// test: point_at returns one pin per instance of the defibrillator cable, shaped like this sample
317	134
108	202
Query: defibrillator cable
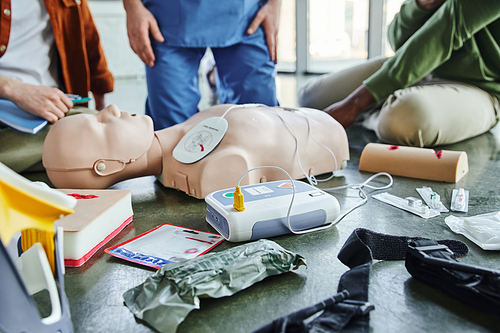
243	106
310	178
362	193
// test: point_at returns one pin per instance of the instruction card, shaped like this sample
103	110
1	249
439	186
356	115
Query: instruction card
166	244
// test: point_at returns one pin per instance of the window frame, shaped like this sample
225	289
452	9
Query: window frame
375	33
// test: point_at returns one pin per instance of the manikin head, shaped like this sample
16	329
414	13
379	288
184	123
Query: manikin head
110	146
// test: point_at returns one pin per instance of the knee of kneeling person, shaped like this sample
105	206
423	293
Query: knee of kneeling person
407	119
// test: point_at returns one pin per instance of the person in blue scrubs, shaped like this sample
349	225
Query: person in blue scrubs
171	37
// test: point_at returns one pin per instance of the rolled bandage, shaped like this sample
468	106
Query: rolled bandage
423	163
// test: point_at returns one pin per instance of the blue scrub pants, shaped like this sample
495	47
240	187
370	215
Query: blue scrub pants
245	75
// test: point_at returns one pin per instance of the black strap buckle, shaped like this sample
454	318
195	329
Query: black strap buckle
421	253
364	307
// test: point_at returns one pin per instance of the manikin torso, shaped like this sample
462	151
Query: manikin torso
255	137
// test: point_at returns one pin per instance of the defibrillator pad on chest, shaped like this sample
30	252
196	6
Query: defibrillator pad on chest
200	140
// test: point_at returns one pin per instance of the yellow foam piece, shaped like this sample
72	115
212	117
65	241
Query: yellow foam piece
46	240
25	205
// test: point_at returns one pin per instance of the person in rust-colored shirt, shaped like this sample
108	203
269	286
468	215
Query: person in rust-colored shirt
48	48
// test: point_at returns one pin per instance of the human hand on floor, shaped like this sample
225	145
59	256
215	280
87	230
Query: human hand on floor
46	102
140	22
347	111
269	17
430	4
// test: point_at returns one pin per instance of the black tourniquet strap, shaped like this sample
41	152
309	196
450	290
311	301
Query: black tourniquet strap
432	264
364	245
349	310
361	248
331	315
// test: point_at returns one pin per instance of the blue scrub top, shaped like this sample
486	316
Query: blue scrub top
204	23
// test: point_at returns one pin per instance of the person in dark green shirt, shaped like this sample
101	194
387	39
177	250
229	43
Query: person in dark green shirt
442	85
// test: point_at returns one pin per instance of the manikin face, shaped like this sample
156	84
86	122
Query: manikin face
80	141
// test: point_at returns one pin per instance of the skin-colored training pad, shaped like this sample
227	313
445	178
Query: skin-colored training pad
423	163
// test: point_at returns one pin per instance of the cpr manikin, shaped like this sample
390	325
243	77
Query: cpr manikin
97	151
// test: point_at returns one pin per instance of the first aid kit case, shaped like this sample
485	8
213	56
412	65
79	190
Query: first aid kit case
266	210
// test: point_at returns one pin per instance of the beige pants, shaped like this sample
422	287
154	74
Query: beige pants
22	152
430	113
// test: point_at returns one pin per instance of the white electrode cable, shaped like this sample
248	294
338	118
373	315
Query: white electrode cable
362	193
310	178
315	180
242	106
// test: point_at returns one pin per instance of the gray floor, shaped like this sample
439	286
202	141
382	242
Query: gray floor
402	304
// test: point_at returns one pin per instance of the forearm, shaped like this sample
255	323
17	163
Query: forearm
131	5
347	111
8	87
362	99
275	3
